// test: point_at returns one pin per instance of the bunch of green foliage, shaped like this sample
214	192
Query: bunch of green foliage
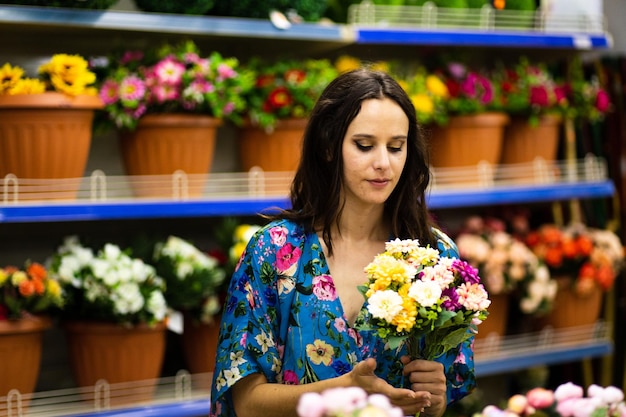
191	7
309	10
79	4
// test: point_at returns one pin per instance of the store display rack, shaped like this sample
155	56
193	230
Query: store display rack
187	395
102	197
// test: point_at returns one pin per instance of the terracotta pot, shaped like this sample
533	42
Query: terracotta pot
46	136
278	151
524	143
20	350
163	144
199	343
466	142
571	309
116	354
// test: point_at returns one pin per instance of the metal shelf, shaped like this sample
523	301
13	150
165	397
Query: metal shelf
24	19
101	197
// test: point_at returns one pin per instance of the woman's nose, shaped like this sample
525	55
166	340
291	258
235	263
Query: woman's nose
381	160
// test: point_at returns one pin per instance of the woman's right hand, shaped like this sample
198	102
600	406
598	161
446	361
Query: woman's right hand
409	401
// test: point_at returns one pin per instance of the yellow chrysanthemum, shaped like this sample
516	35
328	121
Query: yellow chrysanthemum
18	277
347	63
9	76
436	86
320	352
27	86
387	269
405	320
423	103
3	276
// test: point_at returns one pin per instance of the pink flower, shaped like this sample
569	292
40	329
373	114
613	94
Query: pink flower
603	101
169	70
311	404
290	378
324	288
132	88
340	325
278	235
225	71
287	256
108	92
539	96
540	397
567	391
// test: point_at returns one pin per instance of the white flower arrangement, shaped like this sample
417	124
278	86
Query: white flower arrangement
193	278
108	285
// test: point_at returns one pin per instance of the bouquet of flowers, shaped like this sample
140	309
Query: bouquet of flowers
568	400
414	293
346	402
193	278
506	264
108	285
63	73
27	291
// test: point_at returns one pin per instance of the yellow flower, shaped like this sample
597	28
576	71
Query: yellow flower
9	75
3	277
423	103
347	63
69	74
18	277
28	86
54	289
320	352
405	320
380	66
436	86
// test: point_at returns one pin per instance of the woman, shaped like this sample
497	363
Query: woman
288	324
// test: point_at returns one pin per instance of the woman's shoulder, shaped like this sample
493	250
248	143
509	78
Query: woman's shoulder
445	243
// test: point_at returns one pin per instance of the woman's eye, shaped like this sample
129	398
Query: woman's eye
363	147
395	149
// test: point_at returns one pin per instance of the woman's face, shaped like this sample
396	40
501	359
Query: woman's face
374	151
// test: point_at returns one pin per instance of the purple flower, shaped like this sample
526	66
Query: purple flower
466	272
450	299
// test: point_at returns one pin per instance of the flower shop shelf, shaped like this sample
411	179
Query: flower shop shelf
496	355
102	197
186	395
365	28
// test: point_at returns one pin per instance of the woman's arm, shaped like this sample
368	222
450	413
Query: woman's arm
254	396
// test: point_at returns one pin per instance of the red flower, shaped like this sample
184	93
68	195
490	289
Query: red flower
265	80
295	76
539	96
280	97
603	101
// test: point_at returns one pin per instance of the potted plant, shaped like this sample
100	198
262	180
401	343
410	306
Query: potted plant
536	101
473	127
115	313
584	261
36	114
277	110
167	105
510	272
193	279
27	297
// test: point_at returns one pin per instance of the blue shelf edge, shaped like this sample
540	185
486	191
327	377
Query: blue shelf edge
195	408
460	37
134	209
545	357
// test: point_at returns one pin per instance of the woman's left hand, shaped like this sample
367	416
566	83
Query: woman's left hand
428	376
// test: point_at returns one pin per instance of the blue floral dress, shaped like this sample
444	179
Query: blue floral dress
283	319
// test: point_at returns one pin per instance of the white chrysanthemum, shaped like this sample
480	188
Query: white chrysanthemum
69	269
520	254
111	251
94	290
425	293
127	298
157	305
385	305
424	256
398	246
